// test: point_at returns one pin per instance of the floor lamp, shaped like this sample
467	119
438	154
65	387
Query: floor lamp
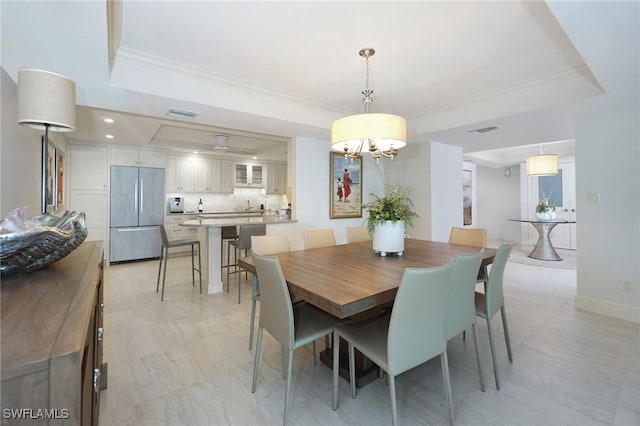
46	100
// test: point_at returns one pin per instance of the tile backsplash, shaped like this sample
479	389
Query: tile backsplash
238	201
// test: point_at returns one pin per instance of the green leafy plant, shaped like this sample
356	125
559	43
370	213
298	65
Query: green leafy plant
546	204
395	206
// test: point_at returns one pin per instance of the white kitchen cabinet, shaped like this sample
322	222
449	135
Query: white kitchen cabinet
276	178
88	177
94	206
87	167
122	156
175	231
203	176
227	175
249	175
185	176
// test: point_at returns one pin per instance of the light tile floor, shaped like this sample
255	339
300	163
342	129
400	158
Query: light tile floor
185	361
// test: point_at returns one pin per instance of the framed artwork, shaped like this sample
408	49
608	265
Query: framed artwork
59	178
51	176
467	197
346	187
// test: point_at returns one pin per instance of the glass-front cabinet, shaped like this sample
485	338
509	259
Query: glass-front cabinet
249	175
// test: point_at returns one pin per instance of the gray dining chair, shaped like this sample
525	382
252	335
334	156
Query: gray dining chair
264	245
412	335
460	313
489	303
164	256
242	243
277	315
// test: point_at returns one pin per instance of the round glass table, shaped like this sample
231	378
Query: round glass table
544	249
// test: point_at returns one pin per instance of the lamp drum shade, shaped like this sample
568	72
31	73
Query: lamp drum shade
542	165
384	129
45	97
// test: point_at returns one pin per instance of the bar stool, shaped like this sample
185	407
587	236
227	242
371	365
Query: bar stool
164	255
227	233
243	243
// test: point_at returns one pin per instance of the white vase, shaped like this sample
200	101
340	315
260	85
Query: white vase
548	215
388	237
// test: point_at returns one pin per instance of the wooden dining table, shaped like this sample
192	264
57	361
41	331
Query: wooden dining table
352	281
349	279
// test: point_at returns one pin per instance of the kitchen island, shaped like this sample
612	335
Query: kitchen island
209	234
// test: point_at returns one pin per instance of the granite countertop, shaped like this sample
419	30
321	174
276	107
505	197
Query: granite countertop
237	220
218	214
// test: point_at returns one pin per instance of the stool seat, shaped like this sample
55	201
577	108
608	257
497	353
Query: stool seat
164	256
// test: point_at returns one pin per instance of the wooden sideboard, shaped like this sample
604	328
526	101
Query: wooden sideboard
51	332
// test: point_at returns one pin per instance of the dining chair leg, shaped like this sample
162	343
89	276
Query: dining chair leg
444	360
475	344
287	393
253	320
352	371
392	397
283	357
315	358
256	360
493	353
336	368
164	273
505	326
193	266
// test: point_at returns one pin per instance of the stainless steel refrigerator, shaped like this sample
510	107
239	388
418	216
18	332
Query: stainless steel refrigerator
137	208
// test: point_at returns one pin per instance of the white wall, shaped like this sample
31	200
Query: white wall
608	233
311	192
20	156
498	200
446	190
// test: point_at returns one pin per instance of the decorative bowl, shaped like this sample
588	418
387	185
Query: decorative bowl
51	239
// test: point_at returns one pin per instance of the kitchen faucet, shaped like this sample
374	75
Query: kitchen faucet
248	205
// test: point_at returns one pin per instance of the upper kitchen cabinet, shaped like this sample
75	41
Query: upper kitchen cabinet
249	175
180	175
87	167
276	178
227	175
199	174
119	156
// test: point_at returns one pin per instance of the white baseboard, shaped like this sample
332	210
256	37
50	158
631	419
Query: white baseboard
623	312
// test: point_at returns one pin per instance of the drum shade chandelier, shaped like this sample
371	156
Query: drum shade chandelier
381	134
46	101
542	164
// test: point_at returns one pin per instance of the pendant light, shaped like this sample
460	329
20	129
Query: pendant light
542	164
380	134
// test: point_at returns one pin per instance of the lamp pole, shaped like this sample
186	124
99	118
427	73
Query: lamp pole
45	168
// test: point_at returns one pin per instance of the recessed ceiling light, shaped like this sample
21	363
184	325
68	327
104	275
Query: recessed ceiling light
108	120
196	152
108	136
255	158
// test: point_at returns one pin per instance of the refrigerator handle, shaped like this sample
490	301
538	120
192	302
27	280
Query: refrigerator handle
141	195
135	197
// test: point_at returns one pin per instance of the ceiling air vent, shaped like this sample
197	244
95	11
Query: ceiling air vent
222	143
484	130
182	114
